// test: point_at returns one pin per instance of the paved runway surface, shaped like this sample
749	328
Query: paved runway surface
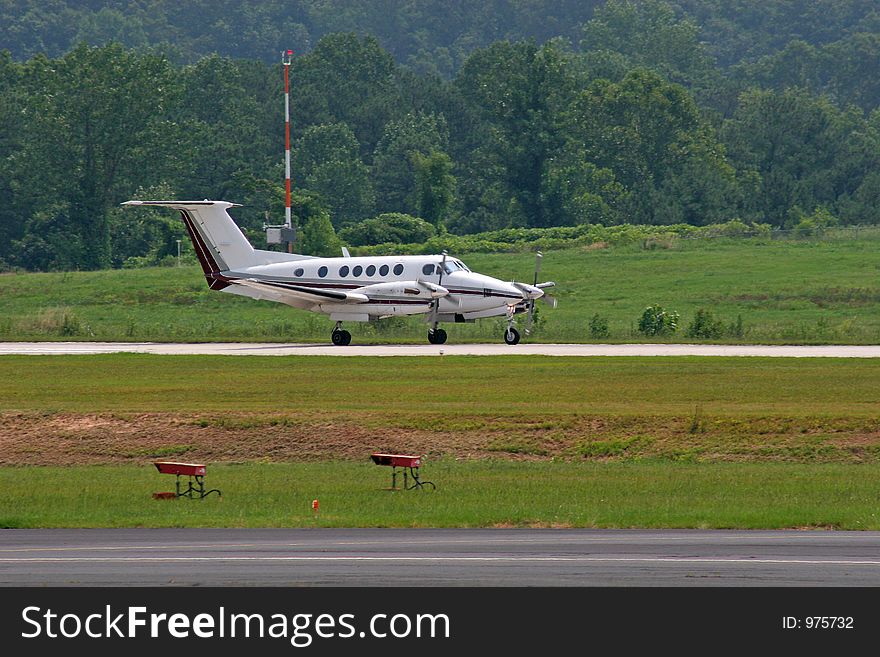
437	557
270	349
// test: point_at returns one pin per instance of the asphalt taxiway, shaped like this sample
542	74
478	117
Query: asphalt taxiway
437	557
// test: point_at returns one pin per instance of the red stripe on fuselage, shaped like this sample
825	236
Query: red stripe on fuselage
356	286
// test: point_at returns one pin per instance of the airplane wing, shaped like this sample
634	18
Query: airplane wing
299	296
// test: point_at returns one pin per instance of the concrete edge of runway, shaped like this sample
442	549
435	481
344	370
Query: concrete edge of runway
490	349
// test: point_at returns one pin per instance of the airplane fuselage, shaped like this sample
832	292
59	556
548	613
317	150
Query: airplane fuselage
391	283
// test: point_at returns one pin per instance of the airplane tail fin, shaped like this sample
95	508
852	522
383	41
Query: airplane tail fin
218	242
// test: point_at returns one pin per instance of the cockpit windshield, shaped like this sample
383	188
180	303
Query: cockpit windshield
454	265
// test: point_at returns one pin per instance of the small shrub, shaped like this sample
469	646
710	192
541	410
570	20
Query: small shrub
705	325
805	228
656	242
736	329
734	228
599	326
70	324
655	320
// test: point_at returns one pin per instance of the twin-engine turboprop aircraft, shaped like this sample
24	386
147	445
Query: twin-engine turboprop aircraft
351	289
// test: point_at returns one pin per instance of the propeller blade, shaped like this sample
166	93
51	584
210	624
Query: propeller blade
538	258
550	300
530	317
442	268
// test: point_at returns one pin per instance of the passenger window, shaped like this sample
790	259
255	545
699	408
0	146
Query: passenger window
428	269
383	270
298	272
371	269
398	269
357	271
322	272
343	271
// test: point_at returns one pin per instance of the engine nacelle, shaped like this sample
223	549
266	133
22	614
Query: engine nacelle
398	289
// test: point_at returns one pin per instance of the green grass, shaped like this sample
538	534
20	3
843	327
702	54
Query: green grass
469	494
812	291
449	393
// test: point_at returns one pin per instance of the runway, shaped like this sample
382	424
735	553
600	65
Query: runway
437	557
499	349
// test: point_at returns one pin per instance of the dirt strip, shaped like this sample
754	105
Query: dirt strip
75	439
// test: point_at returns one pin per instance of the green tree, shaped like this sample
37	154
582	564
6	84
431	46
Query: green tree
13	208
329	159
96	121
393	164
805	151
649	134
318	236
143	235
346	79
580	192
435	186
224	131
518	92
649	34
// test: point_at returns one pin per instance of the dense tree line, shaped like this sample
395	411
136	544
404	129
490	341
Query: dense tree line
426	35
629	118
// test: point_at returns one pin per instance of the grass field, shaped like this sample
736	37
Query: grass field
452	386
811	291
518	441
469	494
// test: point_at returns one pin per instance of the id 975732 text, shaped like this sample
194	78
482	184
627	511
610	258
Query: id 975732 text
818	622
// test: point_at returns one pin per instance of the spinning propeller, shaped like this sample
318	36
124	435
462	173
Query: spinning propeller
535	291
435	304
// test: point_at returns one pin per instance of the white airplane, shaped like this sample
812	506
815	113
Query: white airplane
351	289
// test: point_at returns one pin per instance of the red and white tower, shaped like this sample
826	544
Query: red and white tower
285	61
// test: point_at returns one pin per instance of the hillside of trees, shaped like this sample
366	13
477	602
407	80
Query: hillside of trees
415	118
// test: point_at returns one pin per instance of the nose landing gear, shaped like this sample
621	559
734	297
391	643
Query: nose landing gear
511	335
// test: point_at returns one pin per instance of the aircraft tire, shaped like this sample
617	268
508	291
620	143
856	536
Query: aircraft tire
511	336
341	338
436	336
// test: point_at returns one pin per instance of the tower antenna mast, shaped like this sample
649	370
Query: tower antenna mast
285	232
285	60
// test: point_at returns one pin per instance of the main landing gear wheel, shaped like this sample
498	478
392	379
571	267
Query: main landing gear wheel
341	338
436	336
511	335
